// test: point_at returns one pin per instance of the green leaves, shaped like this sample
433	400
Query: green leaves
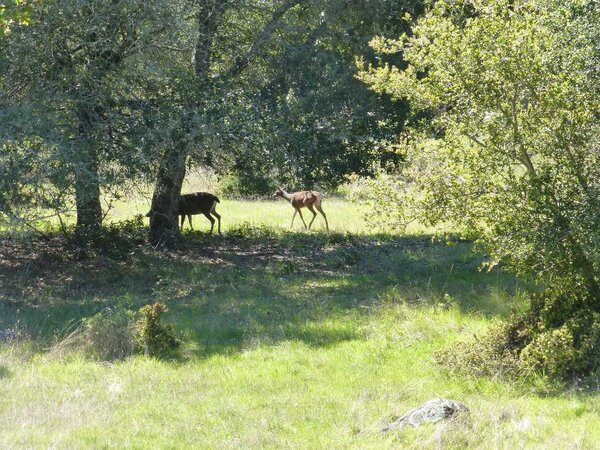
507	93
15	12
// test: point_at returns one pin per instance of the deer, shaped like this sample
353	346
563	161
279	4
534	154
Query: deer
197	203
304	199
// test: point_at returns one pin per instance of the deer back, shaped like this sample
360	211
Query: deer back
196	203
305	198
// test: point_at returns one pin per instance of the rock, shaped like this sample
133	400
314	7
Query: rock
431	411
8	335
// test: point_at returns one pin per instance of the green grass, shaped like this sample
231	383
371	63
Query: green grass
291	339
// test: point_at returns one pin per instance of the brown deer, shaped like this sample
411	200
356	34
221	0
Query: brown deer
197	203
304	199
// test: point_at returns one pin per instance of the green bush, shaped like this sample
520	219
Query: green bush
106	336
249	230
384	198
558	337
118	333
240	186
490	355
551	353
153	336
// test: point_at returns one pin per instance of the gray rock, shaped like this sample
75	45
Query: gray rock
431	411
8	335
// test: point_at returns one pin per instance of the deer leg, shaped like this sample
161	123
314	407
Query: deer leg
300	212
323	214
293	217
314	216
190	221
218	216
212	221
182	221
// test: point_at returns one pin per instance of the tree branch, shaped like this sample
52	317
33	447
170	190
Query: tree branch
242	62
28	225
517	137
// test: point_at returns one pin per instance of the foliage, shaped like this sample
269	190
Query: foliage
301	117
507	144
557	336
552	353
32	181
382	197
84	81
105	336
515	160
238	185
14	12
152	335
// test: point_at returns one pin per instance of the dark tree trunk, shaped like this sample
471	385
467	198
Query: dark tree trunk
164	228
87	182
87	194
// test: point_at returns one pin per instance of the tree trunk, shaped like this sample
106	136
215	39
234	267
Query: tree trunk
164	226
87	182
87	194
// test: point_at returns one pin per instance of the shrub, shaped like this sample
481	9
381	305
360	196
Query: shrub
249	230
118	333
105	336
551	353
487	356
557	337
152	335
115	240
239	185
383	197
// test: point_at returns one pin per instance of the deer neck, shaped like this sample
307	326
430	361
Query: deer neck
287	196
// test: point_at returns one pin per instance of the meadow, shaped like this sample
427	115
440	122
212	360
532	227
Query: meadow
291	339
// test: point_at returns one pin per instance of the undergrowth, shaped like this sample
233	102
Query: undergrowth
117	333
556	337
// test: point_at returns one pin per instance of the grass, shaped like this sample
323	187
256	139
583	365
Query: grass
291	339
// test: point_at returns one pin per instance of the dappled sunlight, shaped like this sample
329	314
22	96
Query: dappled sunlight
257	284
280	326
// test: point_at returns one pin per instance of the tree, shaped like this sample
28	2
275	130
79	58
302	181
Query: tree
308	120
509	147
82	77
210	78
116	90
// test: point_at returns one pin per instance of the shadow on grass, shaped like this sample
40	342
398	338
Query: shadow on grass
255	285
4	372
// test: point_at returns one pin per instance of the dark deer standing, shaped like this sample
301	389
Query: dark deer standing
304	199
197	203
